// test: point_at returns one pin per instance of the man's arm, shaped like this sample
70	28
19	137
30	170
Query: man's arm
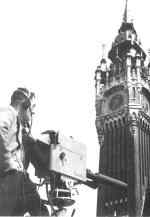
6	121
36	152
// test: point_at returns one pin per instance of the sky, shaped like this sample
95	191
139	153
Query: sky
53	48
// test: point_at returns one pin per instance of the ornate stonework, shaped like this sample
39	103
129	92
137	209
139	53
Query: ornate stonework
123	122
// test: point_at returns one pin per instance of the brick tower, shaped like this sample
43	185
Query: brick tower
123	124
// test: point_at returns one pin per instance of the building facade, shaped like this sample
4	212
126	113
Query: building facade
123	124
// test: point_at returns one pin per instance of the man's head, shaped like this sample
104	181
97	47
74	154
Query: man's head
22	100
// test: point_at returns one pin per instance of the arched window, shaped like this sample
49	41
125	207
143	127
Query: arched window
134	93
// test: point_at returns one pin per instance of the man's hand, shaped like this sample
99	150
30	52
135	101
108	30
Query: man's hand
60	213
53	136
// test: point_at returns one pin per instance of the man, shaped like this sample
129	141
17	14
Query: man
18	194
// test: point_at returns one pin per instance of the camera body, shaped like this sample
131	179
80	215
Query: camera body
61	161
66	156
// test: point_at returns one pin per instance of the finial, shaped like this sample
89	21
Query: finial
103	50
125	17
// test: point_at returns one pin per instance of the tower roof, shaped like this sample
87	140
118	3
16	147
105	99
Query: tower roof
126	38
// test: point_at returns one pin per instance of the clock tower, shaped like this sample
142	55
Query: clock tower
123	124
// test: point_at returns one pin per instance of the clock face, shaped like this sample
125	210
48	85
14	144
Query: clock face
111	102
116	102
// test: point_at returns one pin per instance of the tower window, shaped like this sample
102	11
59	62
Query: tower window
117	68
133	73
134	92
130	36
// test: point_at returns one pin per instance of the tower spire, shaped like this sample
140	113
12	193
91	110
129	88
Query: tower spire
125	15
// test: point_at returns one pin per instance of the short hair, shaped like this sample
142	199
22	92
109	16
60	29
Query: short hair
19	95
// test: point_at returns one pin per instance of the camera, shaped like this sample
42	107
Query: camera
61	162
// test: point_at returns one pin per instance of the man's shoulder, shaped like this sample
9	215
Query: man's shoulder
8	111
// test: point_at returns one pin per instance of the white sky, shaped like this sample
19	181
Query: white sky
54	47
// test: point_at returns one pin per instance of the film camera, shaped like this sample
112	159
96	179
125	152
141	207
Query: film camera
61	162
